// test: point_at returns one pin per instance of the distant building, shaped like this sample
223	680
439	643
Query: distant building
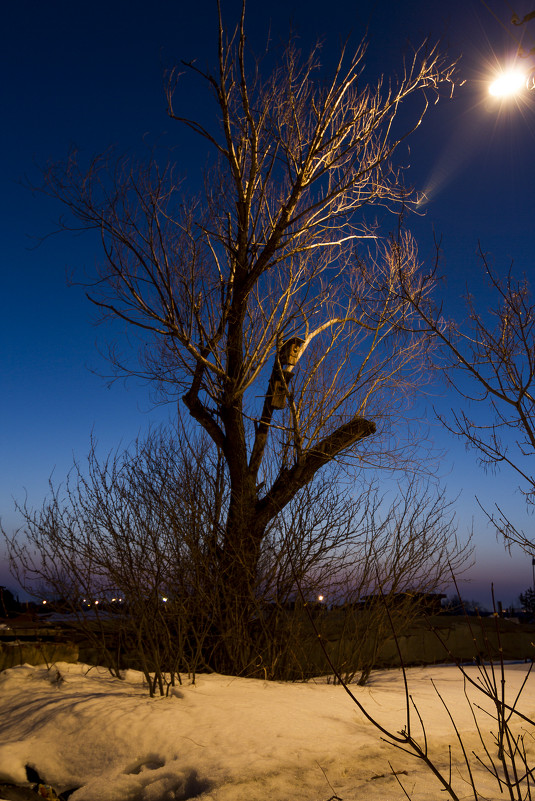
428	602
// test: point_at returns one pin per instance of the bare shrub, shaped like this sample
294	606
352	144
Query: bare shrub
132	542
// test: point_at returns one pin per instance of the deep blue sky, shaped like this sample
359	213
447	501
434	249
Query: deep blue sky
90	75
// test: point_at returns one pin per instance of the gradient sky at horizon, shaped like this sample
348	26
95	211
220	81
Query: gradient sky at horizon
89	75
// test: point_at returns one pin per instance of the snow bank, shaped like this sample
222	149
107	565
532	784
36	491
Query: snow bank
224	738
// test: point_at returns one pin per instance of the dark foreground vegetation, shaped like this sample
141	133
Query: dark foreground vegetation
297	643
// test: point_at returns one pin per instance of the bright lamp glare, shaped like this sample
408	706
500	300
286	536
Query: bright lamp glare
509	83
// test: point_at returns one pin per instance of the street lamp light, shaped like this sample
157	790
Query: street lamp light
512	82
509	83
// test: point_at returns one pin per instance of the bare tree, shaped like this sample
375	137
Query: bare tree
258	308
490	361
130	545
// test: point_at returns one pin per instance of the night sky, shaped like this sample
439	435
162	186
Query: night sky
90	75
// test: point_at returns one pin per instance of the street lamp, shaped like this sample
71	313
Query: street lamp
509	83
512	82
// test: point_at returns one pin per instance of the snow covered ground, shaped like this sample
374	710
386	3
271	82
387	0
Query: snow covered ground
232	739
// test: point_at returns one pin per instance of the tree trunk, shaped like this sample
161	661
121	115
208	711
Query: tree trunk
238	578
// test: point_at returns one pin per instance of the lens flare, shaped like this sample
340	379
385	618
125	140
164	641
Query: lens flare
508	83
